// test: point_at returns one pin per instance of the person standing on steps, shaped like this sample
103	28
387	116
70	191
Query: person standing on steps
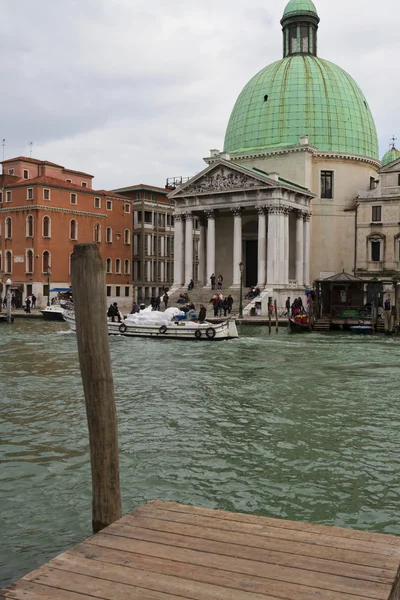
230	303
287	305
202	313
220	280
165	300
212	279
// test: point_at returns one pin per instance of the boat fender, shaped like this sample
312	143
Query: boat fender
122	328
197	334
210	333
162	329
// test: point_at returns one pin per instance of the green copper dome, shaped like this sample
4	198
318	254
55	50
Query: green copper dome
390	156
299	7
302	95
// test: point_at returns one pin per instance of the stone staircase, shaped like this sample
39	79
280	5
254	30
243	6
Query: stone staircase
321	324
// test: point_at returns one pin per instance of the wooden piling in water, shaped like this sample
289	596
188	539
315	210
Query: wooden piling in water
269	318
276	316
89	293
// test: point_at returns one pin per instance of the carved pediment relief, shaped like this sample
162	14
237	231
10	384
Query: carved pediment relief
221	180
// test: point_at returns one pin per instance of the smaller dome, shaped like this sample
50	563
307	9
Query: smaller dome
390	156
299	7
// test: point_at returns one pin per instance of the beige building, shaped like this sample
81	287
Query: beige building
280	198
378	226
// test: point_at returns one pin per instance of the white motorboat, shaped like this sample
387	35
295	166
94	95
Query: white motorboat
54	312
170	324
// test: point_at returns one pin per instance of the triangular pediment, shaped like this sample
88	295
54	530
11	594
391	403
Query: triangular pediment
221	177
393	167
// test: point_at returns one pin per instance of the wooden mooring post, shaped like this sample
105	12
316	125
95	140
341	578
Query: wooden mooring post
89	293
276	316
269	318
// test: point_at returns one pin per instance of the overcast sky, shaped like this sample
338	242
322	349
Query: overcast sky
135	91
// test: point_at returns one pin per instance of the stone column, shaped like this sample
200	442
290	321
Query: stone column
262	247
202	254
210	245
286	213
237	245
189	248
299	248
178	251
272	257
162	275
306	233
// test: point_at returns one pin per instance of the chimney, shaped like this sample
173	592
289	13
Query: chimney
303	140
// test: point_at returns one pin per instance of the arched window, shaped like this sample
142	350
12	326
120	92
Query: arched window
118	265
127	267
127	237
29	226
29	261
46	227
109	235
73	230
8	264
8	228
97	233
108	265
46	261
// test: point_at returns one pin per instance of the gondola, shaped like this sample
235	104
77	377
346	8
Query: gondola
299	324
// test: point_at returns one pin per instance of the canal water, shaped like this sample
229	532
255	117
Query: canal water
298	427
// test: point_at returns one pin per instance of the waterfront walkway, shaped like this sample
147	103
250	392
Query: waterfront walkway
168	551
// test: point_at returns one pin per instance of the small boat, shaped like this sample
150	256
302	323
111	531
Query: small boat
170	324
299	324
363	329
54	312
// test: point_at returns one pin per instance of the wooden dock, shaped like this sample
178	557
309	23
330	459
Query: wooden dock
168	551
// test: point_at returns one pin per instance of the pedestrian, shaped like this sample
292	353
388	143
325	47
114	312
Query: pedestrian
165	300
117	312
135	309
153	302
202	313
191	285
33	298
158	302
230	303
214	302
225	306
28	305
212	279
287	305
220	280
220	305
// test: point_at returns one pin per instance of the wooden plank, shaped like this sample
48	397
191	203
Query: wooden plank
308	534
282	523
385	560
232	559
122	583
25	590
240	588
266	578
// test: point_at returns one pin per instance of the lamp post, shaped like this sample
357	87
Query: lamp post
241	291
8	294
48	273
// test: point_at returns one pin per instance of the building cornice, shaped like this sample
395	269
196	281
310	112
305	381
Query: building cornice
45	208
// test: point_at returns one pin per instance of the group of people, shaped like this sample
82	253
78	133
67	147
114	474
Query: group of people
221	304
294	308
215	281
253	292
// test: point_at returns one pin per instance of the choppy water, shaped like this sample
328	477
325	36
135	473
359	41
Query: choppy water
301	427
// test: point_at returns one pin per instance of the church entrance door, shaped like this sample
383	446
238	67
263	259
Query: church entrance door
251	274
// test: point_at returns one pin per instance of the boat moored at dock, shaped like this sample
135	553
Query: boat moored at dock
170	324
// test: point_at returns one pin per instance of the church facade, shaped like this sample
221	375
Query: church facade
281	196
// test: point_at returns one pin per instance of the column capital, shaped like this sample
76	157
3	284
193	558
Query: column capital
188	215
262	210
210	214
237	211
306	216
278	209
179	217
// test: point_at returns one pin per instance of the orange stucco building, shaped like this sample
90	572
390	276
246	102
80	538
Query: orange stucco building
45	210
